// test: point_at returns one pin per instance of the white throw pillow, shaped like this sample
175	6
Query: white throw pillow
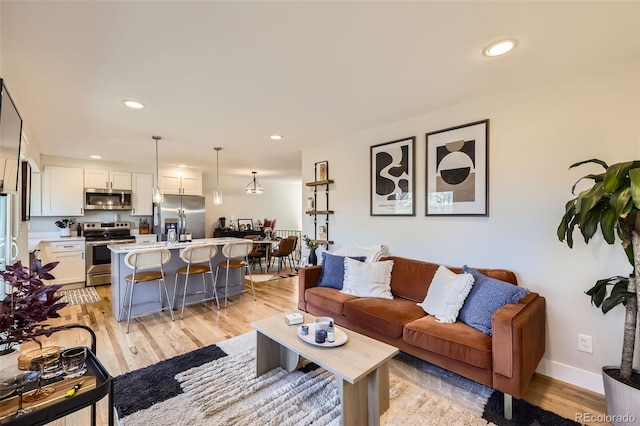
367	279
447	294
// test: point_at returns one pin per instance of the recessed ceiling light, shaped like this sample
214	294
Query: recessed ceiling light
95	157
499	48
276	137
133	104
182	165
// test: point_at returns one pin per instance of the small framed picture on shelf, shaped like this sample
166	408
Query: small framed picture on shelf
322	170
245	224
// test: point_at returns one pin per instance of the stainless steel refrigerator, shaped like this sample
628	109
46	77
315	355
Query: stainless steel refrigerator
184	213
8	237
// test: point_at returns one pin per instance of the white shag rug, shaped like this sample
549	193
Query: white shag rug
225	392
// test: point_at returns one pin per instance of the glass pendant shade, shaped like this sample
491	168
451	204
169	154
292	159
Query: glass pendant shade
217	197
254	187
157	194
217	194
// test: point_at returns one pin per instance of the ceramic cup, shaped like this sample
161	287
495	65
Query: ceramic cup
321	336
322	323
74	362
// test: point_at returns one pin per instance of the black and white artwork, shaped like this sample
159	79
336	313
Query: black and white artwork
457	172
392	178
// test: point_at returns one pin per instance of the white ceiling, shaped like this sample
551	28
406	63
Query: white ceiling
231	73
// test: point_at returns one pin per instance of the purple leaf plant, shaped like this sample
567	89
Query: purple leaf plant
28	303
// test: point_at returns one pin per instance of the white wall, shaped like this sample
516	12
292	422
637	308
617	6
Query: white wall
280	201
535	134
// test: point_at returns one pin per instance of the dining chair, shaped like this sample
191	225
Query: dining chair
257	253
236	254
147	266
198	262
284	252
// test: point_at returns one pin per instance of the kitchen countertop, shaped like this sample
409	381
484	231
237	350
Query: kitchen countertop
126	248
35	238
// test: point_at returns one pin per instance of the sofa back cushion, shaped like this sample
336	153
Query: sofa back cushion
410	279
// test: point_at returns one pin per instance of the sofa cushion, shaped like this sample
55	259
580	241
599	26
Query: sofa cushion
410	278
367	279
486	297
387	317
328	299
447	294
457	340
333	270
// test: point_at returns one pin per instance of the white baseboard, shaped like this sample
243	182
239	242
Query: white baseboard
575	376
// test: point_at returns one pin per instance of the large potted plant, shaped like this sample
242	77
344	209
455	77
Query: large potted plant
27	305
613	204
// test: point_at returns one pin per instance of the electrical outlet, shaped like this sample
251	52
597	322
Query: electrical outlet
585	343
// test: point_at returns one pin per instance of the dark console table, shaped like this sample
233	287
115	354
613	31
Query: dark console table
97	383
218	233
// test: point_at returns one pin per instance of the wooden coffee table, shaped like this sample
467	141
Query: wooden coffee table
360	366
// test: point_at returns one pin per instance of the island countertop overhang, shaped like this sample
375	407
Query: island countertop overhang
126	248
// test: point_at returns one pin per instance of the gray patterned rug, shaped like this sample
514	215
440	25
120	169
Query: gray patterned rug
79	296
215	385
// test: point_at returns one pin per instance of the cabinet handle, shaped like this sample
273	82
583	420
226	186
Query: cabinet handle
133	211
107	184
82	255
81	211
67	246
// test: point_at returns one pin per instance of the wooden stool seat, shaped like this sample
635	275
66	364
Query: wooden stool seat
232	264
195	270
144	276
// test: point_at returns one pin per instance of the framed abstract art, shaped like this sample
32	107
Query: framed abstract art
392	176
457	171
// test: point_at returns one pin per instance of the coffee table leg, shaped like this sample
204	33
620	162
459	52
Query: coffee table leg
270	354
383	387
365	401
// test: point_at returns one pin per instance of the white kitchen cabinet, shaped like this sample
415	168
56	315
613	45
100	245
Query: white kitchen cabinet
70	254
36	194
141	196
107	179
146	239
62	191
181	182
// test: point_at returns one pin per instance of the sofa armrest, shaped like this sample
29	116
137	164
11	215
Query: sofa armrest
518	343
307	277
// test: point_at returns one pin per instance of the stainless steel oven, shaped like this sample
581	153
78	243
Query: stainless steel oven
98	236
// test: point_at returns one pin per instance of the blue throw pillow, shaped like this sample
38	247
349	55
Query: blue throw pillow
486	297
333	270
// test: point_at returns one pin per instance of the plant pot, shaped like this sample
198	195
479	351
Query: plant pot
313	258
65	232
622	399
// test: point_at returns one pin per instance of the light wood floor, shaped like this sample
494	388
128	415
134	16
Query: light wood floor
154	338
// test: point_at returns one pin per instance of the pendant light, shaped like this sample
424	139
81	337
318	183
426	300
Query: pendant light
217	194
254	187
158	196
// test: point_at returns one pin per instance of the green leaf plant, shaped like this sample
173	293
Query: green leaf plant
612	204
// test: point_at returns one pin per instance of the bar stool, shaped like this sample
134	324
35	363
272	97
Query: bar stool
232	252
145	263
198	260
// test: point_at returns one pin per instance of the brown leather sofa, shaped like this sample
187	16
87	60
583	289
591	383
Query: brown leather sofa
504	361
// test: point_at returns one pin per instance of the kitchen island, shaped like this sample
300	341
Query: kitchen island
149	291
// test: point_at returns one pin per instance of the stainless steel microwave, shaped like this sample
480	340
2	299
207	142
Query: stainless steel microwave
107	199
